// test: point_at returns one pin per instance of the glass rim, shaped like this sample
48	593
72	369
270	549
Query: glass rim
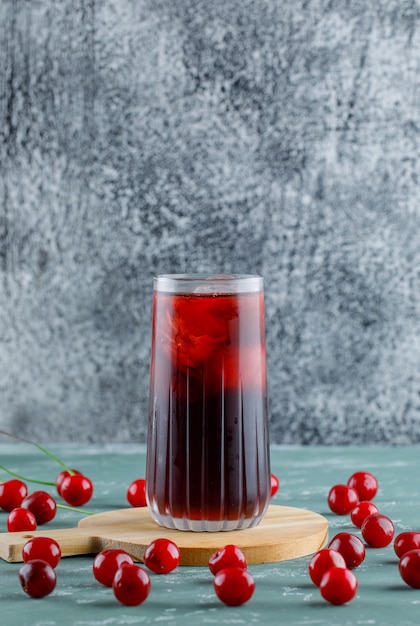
208	283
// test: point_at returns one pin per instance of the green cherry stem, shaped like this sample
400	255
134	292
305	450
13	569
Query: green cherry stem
54	458
75	509
42	449
26	479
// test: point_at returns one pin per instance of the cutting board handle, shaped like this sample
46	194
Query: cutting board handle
72	541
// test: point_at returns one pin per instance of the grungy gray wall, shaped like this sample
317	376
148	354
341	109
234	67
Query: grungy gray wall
280	137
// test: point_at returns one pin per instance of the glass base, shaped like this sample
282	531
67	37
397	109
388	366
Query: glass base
203	525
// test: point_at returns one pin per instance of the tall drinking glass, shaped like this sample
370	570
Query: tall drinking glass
208	463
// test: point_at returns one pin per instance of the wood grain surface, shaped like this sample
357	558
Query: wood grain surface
284	533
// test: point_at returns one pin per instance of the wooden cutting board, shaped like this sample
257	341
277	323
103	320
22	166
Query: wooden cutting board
284	533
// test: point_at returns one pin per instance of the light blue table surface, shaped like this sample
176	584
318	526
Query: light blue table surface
284	593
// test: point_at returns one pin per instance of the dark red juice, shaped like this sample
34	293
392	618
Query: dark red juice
207	457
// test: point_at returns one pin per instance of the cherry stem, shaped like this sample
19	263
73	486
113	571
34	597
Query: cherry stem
26	479
54	458
72	508
42	449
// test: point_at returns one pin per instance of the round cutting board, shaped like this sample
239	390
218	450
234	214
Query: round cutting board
284	533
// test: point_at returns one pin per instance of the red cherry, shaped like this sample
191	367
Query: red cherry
409	540
162	556
42	548
234	585
136	493
322	561
61	476
350	547
377	530
362	511
37	578
342	499
365	484
20	519
12	493
229	556
42	505
338	585
106	564
131	585
275	484
76	490
409	567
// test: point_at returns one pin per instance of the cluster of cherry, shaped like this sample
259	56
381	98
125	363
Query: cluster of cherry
112	568
331	569
232	582
29	510
129	581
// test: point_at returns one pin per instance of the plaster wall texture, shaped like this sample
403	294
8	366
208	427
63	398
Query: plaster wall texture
277	137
